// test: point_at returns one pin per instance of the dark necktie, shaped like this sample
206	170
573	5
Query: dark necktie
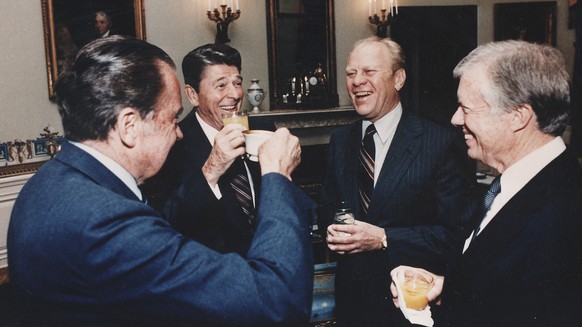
367	157
492	192
242	190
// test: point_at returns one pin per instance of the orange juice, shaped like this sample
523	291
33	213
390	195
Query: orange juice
414	292
236	118
415	286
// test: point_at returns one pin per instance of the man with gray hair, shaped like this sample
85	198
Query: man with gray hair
522	264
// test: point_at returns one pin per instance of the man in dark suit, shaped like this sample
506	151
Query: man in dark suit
195	189
522	264
85	251
413	212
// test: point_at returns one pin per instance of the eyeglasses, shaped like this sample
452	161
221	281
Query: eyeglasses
466	110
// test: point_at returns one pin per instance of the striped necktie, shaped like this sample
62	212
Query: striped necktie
367	157
242	190
494	189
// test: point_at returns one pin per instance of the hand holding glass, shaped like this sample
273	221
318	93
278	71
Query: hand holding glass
415	286
344	216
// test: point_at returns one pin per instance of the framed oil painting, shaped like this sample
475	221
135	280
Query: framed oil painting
70	24
528	21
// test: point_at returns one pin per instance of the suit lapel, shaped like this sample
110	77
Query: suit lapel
403	150
195	143
512	219
352	159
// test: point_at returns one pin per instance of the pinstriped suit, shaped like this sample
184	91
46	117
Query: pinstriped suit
419	198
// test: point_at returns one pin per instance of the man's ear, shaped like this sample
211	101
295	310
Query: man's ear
128	126
192	95
400	78
522	116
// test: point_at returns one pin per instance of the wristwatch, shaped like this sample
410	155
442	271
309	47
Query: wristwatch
384	242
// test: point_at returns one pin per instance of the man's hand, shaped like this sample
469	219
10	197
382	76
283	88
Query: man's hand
280	154
433	294
363	237
228	145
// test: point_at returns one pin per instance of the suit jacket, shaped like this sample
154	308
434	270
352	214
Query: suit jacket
419	198
84	251
525	267
182	193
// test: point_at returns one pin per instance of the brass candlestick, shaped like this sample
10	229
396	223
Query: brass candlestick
381	23
222	21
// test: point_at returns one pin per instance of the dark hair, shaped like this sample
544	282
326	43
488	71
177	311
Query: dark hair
210	54
109	74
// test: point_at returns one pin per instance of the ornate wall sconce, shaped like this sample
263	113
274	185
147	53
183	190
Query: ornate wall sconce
223	18
385	19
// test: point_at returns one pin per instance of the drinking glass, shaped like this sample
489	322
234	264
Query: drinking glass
415	286
344	216
236	117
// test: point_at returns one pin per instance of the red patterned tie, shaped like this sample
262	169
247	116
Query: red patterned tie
367	157
242	189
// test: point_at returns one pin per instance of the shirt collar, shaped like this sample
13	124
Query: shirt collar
521	172
208	130
386	125
113	166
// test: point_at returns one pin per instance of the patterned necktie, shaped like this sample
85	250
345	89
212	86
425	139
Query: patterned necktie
242	190
492	192
367	157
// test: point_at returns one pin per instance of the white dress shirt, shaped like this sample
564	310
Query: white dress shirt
211	133
518	175
385	128
113	166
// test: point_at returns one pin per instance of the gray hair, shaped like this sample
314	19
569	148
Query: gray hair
396	52
521	73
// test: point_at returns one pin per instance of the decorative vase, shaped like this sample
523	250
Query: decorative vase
255	95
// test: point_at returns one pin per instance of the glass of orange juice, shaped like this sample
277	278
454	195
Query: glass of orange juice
415	286
236	117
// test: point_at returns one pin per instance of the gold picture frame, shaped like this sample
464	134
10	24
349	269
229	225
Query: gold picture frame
69	24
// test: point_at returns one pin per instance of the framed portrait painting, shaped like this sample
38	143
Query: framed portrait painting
528	21
70	24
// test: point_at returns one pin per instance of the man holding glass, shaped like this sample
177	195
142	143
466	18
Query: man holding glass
522	264
407	207
85	250
206	189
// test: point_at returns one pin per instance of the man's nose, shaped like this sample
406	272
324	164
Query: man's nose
458	118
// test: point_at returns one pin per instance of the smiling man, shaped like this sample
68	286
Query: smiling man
521	265
198	189
84	248
407	192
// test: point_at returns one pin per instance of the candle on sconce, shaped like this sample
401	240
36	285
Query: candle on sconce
396	6
383	4
208	5
237	7
369	7
375	7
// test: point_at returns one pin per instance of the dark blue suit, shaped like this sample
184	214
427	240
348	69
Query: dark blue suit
181	192
524	268
419	198
84	251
